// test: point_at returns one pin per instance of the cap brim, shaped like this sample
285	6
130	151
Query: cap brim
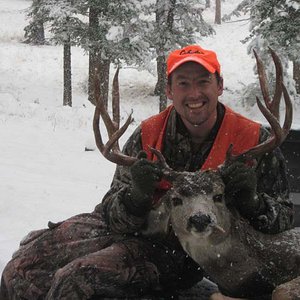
198	60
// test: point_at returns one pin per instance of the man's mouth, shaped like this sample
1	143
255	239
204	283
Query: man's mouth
195	105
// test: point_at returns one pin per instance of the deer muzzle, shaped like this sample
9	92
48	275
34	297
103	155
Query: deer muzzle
199	222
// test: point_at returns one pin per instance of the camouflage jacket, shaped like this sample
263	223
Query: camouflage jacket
181	154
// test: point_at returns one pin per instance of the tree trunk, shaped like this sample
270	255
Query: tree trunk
102	74
67	98
218	12
161	82
115	98
93	24
296	75
98	68
163	18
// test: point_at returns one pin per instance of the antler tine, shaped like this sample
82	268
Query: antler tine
168	172
262	79
116	99
278	85
288	112
109	124
272	105
111	149
271	113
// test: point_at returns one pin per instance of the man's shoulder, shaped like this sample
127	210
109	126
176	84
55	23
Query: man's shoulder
239	116
158	117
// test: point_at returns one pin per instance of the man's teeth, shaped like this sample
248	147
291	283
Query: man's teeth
195	105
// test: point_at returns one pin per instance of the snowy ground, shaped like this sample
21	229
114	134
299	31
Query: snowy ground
45	174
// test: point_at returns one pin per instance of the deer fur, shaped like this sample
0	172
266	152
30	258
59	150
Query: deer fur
242	261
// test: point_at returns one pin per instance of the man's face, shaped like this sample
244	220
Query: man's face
195	93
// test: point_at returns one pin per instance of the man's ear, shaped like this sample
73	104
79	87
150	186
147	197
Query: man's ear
169	92
220	86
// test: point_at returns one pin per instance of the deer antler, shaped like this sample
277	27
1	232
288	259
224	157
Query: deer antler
111	149
270	112
273	105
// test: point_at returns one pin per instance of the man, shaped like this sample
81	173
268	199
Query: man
192	135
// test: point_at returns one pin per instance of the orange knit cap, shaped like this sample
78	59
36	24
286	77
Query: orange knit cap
207	58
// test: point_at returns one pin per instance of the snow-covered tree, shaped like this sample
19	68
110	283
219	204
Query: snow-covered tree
177	23
64	25
132	32
114	36
34	31
275	24
278	23
109	30
242	8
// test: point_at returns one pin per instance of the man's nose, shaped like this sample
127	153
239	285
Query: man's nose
195	90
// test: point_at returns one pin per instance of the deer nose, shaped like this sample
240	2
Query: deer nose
199	222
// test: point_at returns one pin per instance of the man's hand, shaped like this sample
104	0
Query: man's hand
145	176
240	188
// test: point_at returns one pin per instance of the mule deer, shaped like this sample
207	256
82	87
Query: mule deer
242	261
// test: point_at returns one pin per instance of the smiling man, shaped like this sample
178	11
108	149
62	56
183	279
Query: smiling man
194	85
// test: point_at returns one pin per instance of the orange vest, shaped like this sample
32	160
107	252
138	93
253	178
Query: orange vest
235	129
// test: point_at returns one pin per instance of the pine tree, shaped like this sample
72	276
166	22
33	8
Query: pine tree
278	23
177	23
114	36
119	32
275	24
62	16
34	31
109	31
242	8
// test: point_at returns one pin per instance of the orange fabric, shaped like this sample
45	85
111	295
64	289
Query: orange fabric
153	130
207	58
235	129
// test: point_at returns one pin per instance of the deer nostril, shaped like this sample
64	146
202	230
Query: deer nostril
199	221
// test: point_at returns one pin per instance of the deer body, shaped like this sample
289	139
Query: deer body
241	260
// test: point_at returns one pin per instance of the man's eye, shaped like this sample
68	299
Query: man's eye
218	198
203	82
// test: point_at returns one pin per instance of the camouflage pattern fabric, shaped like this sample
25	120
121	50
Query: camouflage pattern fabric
80	259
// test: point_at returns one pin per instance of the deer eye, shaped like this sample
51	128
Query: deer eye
176	201
218	198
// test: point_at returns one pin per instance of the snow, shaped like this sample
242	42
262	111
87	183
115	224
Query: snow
45	172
